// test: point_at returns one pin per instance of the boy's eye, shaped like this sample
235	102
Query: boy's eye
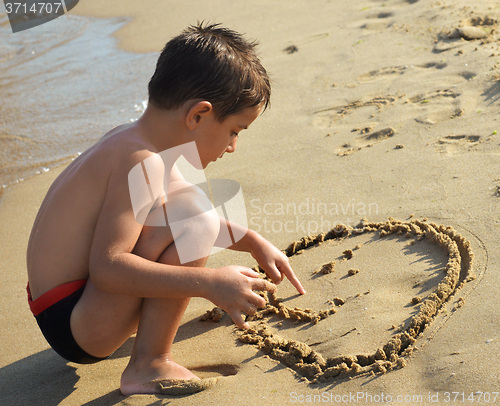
234	134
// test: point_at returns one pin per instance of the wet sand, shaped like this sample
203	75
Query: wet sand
383	109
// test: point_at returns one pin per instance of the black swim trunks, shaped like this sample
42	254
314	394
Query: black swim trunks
52	312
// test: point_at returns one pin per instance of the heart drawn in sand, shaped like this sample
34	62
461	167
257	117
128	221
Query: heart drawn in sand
317	367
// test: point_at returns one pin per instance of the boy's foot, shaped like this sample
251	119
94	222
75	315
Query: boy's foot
150	377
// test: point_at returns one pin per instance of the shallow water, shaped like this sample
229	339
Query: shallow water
62	86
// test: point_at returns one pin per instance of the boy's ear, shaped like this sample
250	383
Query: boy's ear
197	113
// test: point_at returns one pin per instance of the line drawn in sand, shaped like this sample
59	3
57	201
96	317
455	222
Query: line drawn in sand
440	304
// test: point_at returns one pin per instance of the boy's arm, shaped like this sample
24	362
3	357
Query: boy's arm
269	258
273	261
114	268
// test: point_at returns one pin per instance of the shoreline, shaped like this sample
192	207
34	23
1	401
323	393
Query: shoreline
63	86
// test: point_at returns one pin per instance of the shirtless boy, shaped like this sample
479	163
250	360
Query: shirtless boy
96	274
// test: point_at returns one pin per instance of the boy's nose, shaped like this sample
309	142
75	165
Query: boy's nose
232	146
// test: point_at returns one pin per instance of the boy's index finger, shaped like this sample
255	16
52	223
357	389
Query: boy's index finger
295	282
288	271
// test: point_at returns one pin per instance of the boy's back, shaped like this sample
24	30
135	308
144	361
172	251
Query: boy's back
62	235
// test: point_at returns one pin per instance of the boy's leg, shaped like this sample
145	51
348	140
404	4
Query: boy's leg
151	358
101	322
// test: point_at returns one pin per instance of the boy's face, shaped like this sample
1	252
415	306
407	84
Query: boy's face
218	138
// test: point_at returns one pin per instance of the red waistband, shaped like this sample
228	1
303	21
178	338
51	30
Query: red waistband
53	296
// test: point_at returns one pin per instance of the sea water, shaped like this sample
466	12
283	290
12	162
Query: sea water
63	85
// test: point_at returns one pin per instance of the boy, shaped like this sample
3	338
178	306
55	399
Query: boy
100	269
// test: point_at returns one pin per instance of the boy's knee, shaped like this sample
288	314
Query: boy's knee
195	227
186	214
192	212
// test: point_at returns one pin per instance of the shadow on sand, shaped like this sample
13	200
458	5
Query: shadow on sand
40	379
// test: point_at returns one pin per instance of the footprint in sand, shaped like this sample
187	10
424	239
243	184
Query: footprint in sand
436	106
428	108
385	73
365	141
372	321
326	117
382	73
457	143
378	21
386	14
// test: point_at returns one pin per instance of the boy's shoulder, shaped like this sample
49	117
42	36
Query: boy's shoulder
105	166
122	147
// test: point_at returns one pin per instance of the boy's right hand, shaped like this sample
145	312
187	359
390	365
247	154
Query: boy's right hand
232	289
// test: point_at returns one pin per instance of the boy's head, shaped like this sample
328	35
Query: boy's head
213	64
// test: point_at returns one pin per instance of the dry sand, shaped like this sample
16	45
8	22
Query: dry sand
353	83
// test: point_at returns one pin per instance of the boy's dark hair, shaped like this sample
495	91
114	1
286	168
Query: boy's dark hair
210	63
